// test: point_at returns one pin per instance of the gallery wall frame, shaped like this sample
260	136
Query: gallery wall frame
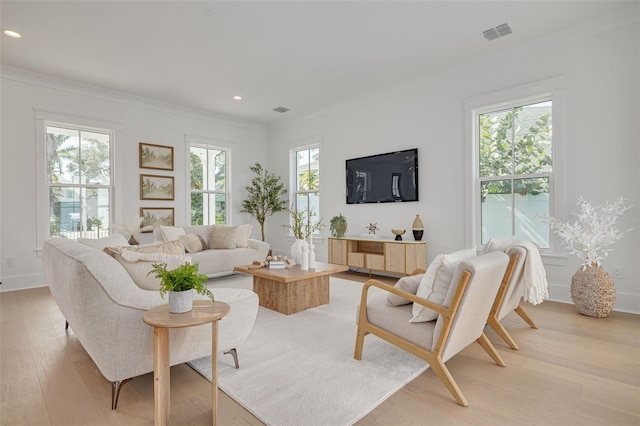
158	157
156	216
155	187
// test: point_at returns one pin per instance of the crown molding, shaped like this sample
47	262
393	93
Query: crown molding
57	83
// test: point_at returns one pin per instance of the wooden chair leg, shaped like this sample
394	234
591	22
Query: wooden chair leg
520	311
488	347
502	332
359	343
446	378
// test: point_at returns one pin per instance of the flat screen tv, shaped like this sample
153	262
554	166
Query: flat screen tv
383	178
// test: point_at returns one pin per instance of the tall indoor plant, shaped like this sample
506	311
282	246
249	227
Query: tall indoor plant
264	197
589	237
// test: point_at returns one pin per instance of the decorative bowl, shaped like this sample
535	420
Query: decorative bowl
398	233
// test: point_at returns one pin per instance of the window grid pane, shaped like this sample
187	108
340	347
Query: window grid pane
208	186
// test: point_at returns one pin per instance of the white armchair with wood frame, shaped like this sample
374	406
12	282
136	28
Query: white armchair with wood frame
460	321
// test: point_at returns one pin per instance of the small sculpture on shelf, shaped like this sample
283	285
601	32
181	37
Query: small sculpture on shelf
373	227
417	228
398	233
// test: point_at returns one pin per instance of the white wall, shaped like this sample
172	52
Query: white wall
601	139
138	120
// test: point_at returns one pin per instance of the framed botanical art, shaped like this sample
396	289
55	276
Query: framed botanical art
156	216
153	187
157	157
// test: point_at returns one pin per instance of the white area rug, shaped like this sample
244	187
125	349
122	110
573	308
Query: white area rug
299	369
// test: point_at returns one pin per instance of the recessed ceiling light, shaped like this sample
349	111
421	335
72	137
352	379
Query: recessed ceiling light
237	98
12	34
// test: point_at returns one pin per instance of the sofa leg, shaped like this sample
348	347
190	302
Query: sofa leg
66	325
115	391
234	354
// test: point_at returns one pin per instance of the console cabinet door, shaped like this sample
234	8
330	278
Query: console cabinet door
416	257
338	251
395	257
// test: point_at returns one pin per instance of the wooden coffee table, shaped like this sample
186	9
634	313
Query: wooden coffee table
292	290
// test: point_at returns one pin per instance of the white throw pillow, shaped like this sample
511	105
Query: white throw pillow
497	244
242	238
171	233
445	267
409	284
101	243
192	243
223	236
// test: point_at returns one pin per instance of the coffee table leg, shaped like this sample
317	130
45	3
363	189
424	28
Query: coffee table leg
161	377
214	370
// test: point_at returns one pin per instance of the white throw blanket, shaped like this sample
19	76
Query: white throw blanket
533	274
171	260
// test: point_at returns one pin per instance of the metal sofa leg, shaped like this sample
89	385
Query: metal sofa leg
115	391
234	354
66	325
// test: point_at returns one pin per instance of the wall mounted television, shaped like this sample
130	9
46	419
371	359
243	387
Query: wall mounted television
384	178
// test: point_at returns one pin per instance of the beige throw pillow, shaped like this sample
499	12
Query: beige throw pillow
244	232
223	236
171	233
191	242
409	284
436	282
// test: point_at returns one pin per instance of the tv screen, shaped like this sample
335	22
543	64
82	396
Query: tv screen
383	178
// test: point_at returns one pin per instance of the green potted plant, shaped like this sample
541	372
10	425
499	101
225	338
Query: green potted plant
302	228
338	226
179	283
264	196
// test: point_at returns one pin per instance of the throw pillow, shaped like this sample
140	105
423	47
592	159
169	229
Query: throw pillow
171	233
223	236
101	243
409	284
244	232
191	243
138	260
442	276
497	244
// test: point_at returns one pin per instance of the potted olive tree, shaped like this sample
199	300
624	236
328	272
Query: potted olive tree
179	283
264	196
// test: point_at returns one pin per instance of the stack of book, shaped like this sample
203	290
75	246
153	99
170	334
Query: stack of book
277	264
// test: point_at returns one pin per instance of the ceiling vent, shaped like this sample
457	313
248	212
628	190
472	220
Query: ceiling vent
281	109
497	32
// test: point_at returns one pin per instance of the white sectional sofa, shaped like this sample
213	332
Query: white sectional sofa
222	246
104	307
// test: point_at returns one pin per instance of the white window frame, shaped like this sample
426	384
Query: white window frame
293	182
551	89
44	118
209	144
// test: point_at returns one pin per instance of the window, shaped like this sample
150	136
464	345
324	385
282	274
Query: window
514	146
209	185
78	181
306	167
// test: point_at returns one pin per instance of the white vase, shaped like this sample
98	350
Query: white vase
312	257
304	262
296	251
180	301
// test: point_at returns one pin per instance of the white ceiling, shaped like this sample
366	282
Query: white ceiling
303	55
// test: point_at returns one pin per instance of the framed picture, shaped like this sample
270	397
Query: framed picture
154	187
157	157
156	216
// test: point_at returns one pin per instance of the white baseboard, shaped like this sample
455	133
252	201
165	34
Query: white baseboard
625	302
22	282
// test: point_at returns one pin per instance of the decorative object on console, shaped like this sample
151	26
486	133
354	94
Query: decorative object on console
129	227
373	227
338	226
418	228
264	196
592	289
179	283
398	233
157	157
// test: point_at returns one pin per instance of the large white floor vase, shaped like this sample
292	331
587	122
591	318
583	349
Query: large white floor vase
593	291
180	301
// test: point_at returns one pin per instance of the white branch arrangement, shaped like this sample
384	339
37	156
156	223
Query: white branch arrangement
130	226
595	230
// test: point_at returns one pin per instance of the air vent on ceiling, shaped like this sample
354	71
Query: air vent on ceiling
281	109
497	32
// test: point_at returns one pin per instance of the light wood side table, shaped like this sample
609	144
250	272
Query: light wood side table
162	320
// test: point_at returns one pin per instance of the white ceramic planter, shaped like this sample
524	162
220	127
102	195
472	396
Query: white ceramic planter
180	301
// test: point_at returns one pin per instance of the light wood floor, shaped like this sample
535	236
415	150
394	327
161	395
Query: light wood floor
573	370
